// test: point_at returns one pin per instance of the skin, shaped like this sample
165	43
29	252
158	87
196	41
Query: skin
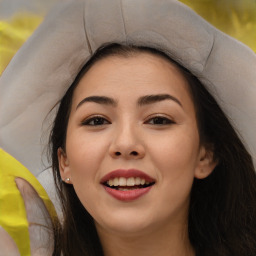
167	149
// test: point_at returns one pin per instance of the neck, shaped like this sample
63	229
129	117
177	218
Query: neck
163	241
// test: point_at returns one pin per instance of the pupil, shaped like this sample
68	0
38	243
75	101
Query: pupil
98	121
158	120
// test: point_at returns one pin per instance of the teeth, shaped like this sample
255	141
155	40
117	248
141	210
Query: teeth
132	181
110	183
137	181
122	181
116	181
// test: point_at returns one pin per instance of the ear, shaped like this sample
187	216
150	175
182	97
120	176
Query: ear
64	166
206	163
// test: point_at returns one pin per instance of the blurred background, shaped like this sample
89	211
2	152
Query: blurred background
19	18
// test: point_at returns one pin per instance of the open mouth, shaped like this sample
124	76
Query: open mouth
126	184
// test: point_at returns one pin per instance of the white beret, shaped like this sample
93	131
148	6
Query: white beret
48	62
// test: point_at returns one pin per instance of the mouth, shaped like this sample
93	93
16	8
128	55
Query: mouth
127	185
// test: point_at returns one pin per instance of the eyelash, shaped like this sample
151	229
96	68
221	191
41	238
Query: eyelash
166	121
95	118
99	121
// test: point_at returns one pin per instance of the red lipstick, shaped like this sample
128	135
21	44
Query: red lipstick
128	195
124	191
126	174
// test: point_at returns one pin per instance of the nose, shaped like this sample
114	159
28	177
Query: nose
127	144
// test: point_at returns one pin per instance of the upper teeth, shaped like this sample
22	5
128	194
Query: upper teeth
127	181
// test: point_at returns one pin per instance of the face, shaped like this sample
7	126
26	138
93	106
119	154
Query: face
132	145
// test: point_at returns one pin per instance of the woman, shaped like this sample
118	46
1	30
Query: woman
176	133
144	159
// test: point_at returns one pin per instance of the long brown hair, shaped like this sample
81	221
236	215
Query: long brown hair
222	213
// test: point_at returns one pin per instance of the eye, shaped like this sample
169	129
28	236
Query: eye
95	121
159	120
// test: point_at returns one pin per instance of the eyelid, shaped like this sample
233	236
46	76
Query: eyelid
91	117
163	116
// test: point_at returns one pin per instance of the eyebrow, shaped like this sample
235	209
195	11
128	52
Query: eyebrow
149	99
142	101
98	99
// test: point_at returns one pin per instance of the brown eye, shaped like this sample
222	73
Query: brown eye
95	121
158	120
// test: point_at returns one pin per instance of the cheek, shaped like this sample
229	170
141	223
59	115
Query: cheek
85	154
176	155
175	158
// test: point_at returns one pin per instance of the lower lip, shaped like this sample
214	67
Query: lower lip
128	195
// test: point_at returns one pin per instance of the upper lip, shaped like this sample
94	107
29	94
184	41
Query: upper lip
126	173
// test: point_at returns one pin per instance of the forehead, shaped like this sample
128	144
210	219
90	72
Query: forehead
138	73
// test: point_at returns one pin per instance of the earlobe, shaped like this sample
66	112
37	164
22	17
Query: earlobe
206	163
64	166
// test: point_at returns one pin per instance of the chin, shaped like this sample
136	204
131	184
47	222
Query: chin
125	224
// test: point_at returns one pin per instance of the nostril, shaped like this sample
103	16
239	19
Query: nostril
132	153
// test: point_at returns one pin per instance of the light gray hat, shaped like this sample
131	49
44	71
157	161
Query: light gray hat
48	62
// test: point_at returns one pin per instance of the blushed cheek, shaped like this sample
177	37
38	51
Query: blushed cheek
86	155
178	160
